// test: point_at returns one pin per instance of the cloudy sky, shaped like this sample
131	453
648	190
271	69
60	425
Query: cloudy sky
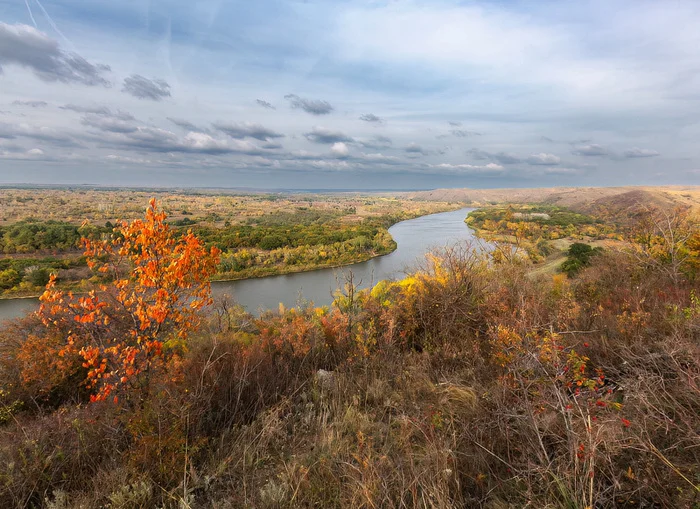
349	94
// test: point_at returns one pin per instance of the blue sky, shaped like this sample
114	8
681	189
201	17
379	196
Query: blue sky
349	94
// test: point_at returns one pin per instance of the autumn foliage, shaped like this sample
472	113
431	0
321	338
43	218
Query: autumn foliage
134	323
468	383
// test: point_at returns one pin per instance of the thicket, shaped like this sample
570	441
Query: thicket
468	384
579	256
270	244
268	237
543	214
32	274
535	223
35	236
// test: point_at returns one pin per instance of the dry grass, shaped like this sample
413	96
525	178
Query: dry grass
448	390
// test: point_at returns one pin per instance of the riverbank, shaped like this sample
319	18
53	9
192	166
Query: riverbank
84	285
337	254
257	273
263	272
542	234
411	240
260	235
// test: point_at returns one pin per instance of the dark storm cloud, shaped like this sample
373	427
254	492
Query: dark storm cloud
312	106
372	118
27	47
592	150
31	104
265	104
144	88
640	152
247	130
323	135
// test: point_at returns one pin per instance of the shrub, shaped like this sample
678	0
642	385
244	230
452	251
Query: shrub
9	278
579	256
467	384
141	320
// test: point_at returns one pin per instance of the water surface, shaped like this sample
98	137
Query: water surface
414	238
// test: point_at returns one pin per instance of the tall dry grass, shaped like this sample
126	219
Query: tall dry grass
469	384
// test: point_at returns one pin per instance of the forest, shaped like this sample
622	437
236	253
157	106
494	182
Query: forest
473	382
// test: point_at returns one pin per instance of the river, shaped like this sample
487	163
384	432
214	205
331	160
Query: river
414	238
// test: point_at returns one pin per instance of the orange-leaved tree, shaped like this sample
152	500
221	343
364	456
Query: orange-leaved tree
120	334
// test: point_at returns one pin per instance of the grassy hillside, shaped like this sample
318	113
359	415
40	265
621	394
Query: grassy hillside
615	202
470	383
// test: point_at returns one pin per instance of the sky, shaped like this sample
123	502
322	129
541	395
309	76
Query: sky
342	94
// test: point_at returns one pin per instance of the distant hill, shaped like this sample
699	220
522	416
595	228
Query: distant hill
610	201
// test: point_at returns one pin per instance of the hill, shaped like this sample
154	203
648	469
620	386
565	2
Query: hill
620	202
469	383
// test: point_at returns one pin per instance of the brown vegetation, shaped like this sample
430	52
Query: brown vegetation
467	384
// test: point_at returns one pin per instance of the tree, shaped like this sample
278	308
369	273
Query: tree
134	324
669	240
39	276
579	257
9	278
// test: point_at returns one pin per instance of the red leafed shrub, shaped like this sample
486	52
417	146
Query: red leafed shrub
134	324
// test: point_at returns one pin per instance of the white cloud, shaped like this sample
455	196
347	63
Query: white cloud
640	152
525	77
592	150
543	159
340	149
490	168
